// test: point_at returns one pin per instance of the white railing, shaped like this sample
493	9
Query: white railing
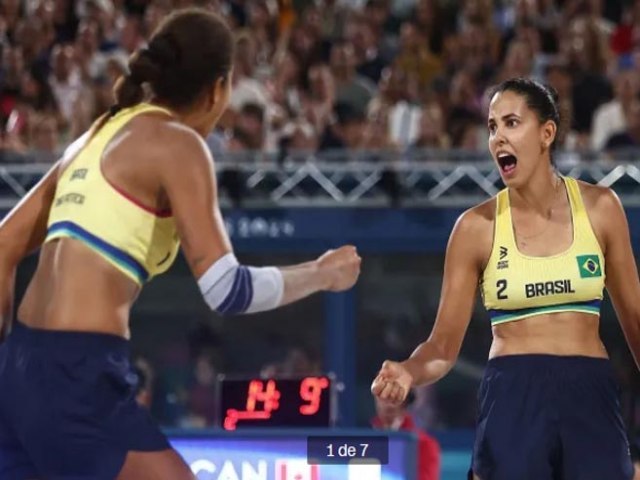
362	179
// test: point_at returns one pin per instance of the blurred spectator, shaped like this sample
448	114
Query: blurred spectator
261	22
251	122
131	38
587	52
559	77
429	19
423	408
480	11
65	21
298	136
11	12
465	105
351	87
66	80
518	61
397	94
414	56
286	86
319	98
630	137
97	98
13	65
16	135
625	34
12	74
346	130
44	137
237	141
307	41
477	55
377	132
382	18
246	87
200	395
432	133
594	11
155	12
109	19
92	61
469	135
390	417
35	39
542	16
543	47
475	19
297	362
202	399
609	118
369	62
36	92
115	67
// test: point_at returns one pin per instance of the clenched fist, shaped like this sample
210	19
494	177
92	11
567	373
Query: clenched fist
392	383
341	267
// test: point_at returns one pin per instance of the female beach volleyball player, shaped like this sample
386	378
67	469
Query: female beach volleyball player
539	250
109	217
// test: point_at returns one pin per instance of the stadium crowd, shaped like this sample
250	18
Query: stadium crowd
317	75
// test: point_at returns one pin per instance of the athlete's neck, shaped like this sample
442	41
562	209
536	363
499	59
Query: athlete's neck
539	194
190	118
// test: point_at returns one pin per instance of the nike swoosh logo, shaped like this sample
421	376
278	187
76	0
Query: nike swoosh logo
164	259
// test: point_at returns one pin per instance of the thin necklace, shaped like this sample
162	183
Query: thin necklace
548	220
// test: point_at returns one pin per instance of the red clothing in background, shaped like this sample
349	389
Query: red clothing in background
428	448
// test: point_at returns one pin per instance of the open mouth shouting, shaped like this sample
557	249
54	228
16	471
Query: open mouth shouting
507	162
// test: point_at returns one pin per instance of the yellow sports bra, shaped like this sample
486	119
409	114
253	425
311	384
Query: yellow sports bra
138	241
516	286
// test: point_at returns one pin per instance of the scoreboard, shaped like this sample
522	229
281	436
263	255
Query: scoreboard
275	402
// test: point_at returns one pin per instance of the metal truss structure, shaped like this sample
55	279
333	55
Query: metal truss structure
366	181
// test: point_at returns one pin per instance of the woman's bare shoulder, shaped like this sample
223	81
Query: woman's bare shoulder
598	199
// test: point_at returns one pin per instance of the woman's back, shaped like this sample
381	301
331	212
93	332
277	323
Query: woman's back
110	229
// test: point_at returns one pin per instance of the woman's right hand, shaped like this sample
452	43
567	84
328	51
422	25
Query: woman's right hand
341	267
393	383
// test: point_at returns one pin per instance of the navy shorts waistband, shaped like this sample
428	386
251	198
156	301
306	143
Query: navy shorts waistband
60	340
541	360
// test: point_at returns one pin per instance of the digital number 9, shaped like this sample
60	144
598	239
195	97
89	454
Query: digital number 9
311	392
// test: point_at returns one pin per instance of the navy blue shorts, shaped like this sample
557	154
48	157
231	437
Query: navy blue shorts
547	417
67	406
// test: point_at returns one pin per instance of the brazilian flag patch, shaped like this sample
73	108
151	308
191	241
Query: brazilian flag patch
589	266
